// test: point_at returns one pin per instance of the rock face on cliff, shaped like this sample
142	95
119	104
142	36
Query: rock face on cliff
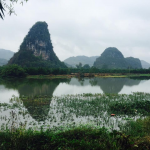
112	58
134	62
36	49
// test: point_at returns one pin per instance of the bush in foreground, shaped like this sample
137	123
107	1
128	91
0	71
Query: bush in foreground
78	138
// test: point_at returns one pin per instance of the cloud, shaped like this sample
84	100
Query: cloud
83	27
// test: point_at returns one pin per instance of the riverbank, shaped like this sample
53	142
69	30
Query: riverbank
100	75
49	76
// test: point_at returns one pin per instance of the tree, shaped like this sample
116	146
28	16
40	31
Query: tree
79	66
12	71
5	6
86	66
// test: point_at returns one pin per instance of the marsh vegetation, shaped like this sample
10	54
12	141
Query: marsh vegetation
78	120
74	121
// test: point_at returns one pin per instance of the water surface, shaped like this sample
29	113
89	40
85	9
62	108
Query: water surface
53	113
58	87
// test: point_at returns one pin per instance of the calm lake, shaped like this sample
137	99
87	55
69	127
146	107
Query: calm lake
58	112
59	87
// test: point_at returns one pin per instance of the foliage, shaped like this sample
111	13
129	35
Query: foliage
131	107
38	67
79	138
133	63
9	7
12	71
132	134
79	66
86	66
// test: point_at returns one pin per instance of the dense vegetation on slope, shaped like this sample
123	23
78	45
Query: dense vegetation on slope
134	62
36	49
112	58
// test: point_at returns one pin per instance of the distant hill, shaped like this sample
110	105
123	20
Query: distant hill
112	58
3	61
6	54
36	49
69	66
83	59
145	64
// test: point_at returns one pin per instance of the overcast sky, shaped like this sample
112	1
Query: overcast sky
83	27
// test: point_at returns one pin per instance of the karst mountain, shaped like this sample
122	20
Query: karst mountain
36	49
112	58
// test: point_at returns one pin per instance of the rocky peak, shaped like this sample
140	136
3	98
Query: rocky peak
38	41
112	52
37	48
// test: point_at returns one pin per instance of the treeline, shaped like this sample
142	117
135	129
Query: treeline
17	71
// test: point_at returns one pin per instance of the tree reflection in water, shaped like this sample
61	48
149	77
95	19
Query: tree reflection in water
33	88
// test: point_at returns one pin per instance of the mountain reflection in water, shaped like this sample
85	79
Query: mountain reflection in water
32	88
47	87
113	85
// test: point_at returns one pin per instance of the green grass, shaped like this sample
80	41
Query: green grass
78	138
133	135
97	133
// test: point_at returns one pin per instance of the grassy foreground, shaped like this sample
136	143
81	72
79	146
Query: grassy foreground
131	135
136	136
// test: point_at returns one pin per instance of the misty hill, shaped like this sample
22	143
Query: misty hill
112	58
6	54
36	49
134	62
69	66
3	61
145	64
83	59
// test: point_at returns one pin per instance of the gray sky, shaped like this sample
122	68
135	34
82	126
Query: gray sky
83	27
